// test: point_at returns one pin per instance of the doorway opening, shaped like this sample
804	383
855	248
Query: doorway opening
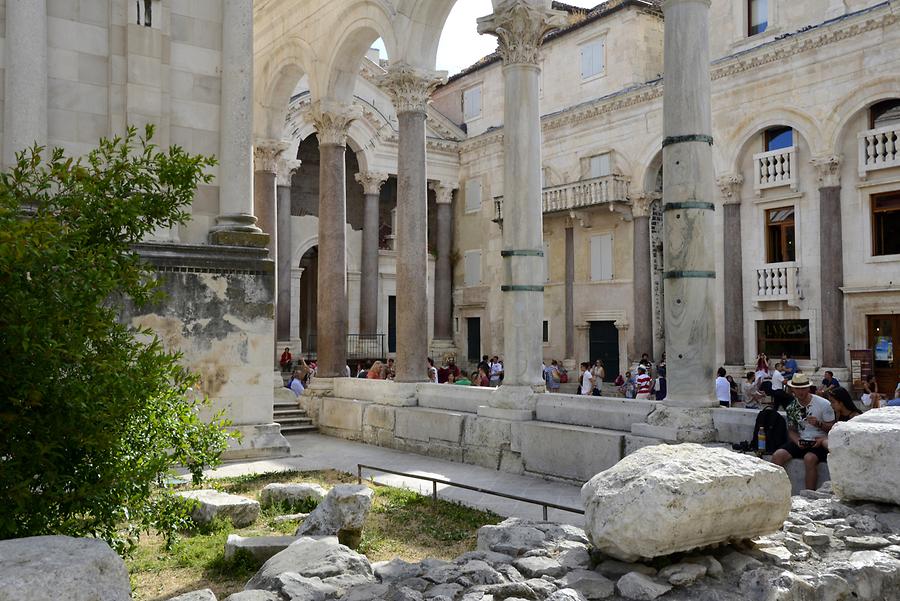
604	345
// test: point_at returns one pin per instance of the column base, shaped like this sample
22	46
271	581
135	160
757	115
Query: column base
234	238
513	415
678	424
520	398
258	441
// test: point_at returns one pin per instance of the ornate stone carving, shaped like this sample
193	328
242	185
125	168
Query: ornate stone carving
520	27
371	181
266	154
642	202
410	87
443	191
332	121
828	170
285	170
730	184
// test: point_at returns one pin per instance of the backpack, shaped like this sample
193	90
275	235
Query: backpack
563	375
775	427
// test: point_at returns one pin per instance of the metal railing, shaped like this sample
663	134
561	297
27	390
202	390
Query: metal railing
435	481
365	346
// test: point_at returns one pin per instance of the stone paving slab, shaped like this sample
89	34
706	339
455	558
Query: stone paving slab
316	452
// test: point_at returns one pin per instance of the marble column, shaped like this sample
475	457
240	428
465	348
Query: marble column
409	89
296	276
266	154
284	250
520	27
643	283
368	285
236	223
570	293
25	62
443	270
733	269
332	120
831	265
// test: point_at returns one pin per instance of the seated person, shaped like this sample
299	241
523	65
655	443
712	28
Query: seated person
286	360
809	419
753	397
296	383
871	397
842	404
829	382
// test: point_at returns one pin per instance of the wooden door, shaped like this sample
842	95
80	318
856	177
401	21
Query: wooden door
884	335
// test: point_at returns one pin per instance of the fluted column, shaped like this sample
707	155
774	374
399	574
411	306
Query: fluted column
285	170
520	27
266	154
236	223
442	268
409	89
831	264
25	62
332	121
368	288
643	282
733	271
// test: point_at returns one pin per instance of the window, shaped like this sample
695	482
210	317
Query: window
601	258
780	235
473	195
472	103
592	59
546	332
758	16
600	165
886	224
776	336
886	112
777	138
472	267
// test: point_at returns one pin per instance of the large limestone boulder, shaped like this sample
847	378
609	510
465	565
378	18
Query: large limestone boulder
863	457
212	504
666	499
344	509
290	494
50	568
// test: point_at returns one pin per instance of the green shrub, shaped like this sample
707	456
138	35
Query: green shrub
92	416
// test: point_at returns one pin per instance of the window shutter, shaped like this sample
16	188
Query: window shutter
585	62
472	102
592	59
601	258
473	195
600	165
473	267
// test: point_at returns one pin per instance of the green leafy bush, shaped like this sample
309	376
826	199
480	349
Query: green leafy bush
92	415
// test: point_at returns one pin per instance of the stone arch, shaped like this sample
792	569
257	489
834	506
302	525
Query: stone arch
419	28
276	80
746	130
649	165
864	96
302	248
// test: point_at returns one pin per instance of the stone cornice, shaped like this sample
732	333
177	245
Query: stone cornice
332	121
266	154
285	170
371	181
410	88
828	170
520	27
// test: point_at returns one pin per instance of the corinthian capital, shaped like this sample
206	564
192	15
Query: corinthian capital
266	154
728	185
443	191
828	170
642	202
371	181
332	121
285	170
409	87
520	27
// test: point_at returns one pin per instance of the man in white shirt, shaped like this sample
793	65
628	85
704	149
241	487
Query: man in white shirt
723	388
777	378
296	383
496	375
810	417
587	379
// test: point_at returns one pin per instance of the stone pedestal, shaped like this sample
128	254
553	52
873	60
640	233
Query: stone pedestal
643	285
368	286
831	260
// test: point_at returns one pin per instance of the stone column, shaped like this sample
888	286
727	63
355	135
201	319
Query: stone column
368	285
409	89
520	27
570	294
332	120
643	283
285	170
443	271
266	155
831	266
733	271
25	59
296	275
236	223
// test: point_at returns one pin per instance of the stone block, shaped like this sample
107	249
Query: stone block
486	432
569	451
201	595
342	415
488	457
734	424
465	399
260	548
345	507
429	424
430	449
383	392
379	416
257	441
863	458
50	568
290	494
666	499
595	412
796	471
212	504
634	442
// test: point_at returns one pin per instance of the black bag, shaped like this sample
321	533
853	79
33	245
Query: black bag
775	427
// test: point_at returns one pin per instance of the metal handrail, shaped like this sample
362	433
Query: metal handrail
435	481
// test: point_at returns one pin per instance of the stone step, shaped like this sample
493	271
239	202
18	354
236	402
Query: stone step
289	414
293	421
298	429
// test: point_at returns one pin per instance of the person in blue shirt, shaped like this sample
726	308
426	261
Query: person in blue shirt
829	382
790	366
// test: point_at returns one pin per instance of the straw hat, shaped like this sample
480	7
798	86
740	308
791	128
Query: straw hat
800	381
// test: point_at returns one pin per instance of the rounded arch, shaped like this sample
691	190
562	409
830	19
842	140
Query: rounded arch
302	248
864	96
365	23
419	27
747	129
649	164
276	79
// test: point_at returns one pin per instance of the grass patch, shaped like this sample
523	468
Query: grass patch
401	524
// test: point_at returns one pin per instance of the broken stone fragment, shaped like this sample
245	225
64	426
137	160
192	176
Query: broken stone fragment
635	585
212	504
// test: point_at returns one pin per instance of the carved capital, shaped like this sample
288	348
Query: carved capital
285	171
443	191
332	121
266	154
729	185
520	27
828	170
371	181
642	202
409	87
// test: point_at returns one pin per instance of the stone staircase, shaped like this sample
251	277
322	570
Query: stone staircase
288	413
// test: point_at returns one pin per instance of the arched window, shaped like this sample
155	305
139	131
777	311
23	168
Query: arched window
886	112
776	138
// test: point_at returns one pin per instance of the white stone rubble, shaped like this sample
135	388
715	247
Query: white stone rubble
212	504
345	507
290	494
863	457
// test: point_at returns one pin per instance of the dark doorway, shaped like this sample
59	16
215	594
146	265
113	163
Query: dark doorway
604	345
309	286
392	324
884	332
473	336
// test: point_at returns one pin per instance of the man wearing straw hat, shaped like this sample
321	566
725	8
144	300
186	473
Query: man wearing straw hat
810	417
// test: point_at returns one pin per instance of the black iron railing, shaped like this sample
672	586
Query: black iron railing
365	346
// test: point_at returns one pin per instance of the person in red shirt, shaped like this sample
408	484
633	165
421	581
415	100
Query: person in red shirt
286	360
643	383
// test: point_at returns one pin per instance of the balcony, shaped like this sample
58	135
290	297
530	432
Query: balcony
585	193
879	148
779	282
775	169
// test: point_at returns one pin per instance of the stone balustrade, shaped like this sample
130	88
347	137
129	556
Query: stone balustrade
585	193
879	148
775	168
778	282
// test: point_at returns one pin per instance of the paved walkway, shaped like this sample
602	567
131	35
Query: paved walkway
316	452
